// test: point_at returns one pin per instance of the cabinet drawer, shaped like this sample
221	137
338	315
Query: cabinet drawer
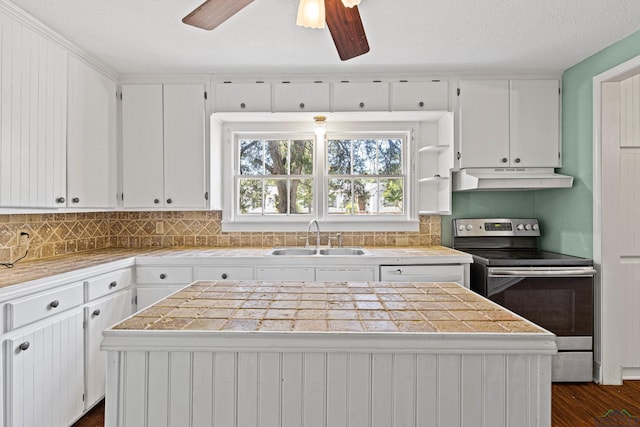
238	97
30	309
152	275
361	97
108	283
422	273
301	97
224	273
417	96
286	273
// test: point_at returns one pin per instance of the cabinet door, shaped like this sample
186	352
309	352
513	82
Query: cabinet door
301	97
535	123
147	295
184	159
339	274
99	316
286	273
45	374
142	146
91	138
240	97
361	97
484	123
33	108
418	96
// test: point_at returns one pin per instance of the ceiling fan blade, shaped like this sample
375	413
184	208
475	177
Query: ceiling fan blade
212	13
346	29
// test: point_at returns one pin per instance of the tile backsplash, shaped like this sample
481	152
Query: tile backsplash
58	234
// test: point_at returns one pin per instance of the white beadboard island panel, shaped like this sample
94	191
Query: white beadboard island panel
328	379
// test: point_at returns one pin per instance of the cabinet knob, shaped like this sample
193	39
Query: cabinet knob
96	312
55	303
113	284
517	160
76	200
224	275
361	105
61	200
458	155
169	201
156	201
302	105
163	276
504	160
243	105
24	346
420	104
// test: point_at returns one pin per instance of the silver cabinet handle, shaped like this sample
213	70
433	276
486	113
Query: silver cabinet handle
542	272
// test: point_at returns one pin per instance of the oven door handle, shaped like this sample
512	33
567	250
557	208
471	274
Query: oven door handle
542	272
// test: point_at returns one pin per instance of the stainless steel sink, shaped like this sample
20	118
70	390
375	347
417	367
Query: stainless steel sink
292	251
296	251
344	251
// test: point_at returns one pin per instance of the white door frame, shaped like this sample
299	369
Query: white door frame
609	329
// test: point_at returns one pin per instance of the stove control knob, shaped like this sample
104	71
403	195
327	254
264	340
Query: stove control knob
520	227
469	227
535	227
527	227
461	227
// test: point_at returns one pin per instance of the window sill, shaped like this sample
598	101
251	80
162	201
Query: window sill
342	226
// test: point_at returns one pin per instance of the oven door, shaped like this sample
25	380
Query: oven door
559	299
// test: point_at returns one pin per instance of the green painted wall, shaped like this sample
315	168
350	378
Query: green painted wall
566	215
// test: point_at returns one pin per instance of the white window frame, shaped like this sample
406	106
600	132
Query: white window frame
232	222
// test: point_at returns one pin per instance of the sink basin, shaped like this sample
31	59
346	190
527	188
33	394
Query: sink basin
296	251
292	251
344	251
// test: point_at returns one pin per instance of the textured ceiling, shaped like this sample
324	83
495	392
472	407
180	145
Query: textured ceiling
428	36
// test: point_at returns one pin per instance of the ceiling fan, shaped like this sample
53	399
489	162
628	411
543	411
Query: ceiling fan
342	18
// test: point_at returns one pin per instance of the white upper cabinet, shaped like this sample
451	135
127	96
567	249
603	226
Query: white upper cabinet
142	146
418	96
361	96
243	97
301	97
33	108
184	156
163	146
509	123
91	137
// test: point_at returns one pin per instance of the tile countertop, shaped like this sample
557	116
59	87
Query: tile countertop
327	307
26	271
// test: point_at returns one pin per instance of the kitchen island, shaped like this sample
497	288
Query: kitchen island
248	353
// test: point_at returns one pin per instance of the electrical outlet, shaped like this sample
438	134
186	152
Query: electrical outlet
22	235
159	227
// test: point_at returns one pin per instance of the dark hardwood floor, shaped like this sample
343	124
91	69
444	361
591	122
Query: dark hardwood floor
573	405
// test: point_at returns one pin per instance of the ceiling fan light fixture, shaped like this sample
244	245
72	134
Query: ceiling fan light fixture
350	3
311	14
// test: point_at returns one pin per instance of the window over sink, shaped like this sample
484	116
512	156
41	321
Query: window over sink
280	175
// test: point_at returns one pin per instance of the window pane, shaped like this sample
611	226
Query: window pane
339	193
275	159
301	196
275	196
390	157
339	157
364	157
365	193
301	157
251	157
392	196
250	196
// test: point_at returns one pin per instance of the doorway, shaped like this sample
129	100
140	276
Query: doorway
616	121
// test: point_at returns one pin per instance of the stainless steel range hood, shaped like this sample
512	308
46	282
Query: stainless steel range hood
504	179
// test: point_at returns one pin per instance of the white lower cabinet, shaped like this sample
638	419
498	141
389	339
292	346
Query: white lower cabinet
157	282
342	274
44	381
100	315
286	273
145	296
224	273
422	273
